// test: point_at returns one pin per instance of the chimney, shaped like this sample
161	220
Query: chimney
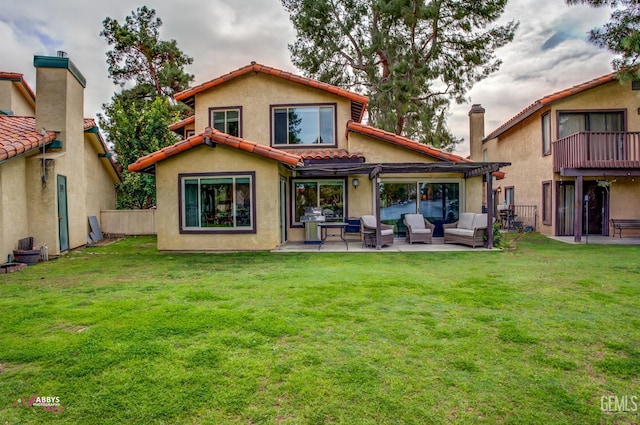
476	131
60	96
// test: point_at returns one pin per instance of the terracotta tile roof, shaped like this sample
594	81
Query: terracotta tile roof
405	142
90	124
14	76
327	154
182	123
547	100
187	96
19	135
217	137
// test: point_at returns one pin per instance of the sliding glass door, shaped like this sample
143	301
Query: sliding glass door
438	202
566	208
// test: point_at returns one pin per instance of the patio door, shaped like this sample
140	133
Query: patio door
565	208
596	216
438	202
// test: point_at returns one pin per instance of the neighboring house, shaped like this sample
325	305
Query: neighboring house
55	168
269	144
575	154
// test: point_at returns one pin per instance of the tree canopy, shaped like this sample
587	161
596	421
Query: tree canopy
139	55
621	35
410	57
137	118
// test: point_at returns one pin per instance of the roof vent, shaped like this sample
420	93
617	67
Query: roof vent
61	54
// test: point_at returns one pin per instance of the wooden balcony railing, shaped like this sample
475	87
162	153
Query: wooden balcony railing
590	149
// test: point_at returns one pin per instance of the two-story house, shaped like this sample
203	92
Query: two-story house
575	154
265	145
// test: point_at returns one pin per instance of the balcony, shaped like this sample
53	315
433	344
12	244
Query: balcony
590	149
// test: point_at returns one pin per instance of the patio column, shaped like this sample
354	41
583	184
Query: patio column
376	185
577	213
489	177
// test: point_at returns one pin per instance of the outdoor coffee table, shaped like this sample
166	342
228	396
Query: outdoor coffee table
337	230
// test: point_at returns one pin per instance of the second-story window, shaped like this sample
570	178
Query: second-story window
304	125
601	121
546	134
226	120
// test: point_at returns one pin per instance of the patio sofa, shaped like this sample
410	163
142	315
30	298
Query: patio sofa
470	229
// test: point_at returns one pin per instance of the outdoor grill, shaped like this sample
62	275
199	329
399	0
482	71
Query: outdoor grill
311	218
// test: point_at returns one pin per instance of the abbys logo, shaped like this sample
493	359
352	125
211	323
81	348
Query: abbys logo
50	404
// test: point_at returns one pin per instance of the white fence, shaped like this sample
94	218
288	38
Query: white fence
128	222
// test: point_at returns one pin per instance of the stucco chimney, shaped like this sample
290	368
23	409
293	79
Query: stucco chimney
59	96
476	131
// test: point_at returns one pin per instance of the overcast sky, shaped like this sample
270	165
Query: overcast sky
550	51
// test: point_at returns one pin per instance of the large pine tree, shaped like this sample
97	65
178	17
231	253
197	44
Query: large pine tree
137	118
411	57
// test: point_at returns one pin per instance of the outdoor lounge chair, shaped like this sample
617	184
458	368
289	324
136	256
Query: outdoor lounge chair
368	223
419	229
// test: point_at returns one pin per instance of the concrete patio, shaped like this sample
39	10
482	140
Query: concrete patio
399	245
438	245
598	240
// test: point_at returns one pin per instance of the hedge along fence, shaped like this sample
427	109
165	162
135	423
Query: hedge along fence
128	222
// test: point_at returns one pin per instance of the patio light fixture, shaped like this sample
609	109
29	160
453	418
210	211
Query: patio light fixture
355	183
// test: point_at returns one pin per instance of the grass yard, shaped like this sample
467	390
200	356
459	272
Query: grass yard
122	334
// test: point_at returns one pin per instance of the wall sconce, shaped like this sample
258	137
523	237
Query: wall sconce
499	189
355	183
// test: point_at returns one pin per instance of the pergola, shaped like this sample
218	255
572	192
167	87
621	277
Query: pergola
375	170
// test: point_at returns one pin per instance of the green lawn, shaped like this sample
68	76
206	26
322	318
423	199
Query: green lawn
123	334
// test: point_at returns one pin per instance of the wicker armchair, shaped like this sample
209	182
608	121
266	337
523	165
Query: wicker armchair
368	224
419	229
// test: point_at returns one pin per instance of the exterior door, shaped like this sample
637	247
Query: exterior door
283	210
63	218
565	209
596	209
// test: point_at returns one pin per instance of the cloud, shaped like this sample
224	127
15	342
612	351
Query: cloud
555	40
549	53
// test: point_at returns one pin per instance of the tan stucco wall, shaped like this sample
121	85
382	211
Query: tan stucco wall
255	93
13	207
15	100
42	202
625	202
203	159
100	189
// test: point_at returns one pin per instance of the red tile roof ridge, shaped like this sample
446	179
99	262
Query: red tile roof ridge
549	99
256	67
217	137
328	153
183	122
405	142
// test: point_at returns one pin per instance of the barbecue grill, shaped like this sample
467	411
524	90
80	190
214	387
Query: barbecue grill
311	218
